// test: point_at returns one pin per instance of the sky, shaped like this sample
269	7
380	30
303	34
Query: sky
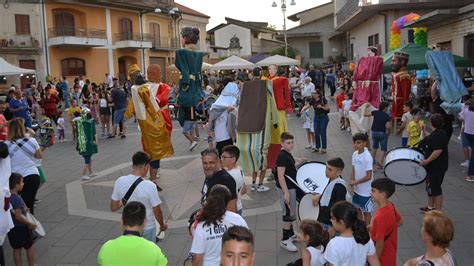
249	10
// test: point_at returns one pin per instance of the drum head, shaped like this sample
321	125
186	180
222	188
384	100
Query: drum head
39	228
402	166
311	177
306	210
211	99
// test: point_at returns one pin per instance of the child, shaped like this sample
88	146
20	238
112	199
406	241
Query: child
415	128
287	190
230	156
308	117
347	105
353	246
380	130
384	227
406	118
340	108
71	113
335	191
20	236
462	136
61	127
362	176
237	247
86	141
312	234
3	122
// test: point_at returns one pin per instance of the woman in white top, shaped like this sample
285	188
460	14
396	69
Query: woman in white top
214	221
24	154
353	247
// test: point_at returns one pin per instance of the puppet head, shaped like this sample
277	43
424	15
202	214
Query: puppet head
154	73
132	69
189	35
273	70
372	51
399	61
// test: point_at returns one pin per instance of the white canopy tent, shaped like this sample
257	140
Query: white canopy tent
7	69
204	66
233	62
278	60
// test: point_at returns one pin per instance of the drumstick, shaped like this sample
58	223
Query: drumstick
168	218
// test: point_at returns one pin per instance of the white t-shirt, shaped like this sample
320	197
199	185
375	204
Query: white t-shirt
345	251
406	117
5	172
220	128
23	161
238	176
208	239
145	193
347	104
362	163
308	89
103	103
317	256
61	123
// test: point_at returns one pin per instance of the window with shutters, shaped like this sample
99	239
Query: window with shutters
22	24
155	34
125	29
73	67
316	50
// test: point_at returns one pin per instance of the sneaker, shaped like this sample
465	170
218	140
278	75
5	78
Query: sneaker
253	187
348	129
123	136
196	138
288	245
193	145
465	164
426	209
315	150
262	188
37	201
308	147
323	151
85	177
111	136
294	237
93	174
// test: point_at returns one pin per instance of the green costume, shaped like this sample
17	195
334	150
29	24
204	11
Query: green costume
86	142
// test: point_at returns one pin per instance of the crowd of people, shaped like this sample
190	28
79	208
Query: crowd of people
347	230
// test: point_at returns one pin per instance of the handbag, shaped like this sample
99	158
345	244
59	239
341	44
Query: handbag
130	190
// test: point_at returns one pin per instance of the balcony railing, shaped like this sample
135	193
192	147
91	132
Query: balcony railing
17	41
347	11
129	36
164	43
76	32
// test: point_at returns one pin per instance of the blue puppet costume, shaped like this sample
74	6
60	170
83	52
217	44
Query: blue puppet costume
189	63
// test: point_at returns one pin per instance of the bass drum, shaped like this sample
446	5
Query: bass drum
306	209
402	166
311	177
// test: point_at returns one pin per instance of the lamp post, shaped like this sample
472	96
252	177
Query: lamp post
283	10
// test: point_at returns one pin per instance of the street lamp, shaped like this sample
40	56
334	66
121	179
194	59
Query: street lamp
283	10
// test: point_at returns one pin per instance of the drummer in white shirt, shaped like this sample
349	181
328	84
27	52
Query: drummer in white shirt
307	88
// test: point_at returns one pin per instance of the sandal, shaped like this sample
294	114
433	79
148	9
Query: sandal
469	179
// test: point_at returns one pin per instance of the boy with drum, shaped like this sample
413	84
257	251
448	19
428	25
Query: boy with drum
334	192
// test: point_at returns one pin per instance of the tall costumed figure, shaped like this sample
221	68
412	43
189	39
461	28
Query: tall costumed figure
155	136
189	63
282	94
401	83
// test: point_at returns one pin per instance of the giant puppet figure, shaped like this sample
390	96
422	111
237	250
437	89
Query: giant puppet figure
161	92
401	83
282	95
189	63
367	90
155	136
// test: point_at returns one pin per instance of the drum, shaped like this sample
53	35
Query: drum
306	209
39	231
402	166
311	177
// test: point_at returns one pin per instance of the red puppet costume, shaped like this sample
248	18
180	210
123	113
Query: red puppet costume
401	83
162	95
282	94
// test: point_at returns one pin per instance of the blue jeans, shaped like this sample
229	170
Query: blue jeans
379	138
470	139
320	127
150	234
66	98
404	142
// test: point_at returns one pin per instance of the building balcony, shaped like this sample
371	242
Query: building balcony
132	41
164	44
81	37
18	43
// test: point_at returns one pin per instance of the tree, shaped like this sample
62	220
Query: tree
281	51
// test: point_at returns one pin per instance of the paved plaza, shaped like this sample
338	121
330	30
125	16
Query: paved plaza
77	217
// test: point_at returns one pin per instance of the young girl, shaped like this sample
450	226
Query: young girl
312	234
104	111
415	128
61	128
347	105
308	117
353	247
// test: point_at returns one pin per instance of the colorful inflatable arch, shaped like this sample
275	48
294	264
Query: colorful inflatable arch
420	34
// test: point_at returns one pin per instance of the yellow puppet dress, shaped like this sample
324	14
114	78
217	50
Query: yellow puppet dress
155	138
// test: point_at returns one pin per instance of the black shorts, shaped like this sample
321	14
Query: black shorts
222	144
20	237
104	111
434	179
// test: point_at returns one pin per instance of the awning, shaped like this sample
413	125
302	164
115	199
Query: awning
7	69
433	17
233	62
278	60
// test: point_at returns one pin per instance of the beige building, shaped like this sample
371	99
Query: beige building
314	38
21	41
365	24
452	28
194	19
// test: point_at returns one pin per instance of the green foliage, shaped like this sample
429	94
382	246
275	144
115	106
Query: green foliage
281	51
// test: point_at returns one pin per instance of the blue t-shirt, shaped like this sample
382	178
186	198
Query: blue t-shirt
119	98
15	104
17	203
380	120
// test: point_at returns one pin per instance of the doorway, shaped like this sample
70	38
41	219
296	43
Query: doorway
124	62
25	79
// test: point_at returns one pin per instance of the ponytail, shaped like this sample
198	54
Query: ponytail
360	232
216	205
